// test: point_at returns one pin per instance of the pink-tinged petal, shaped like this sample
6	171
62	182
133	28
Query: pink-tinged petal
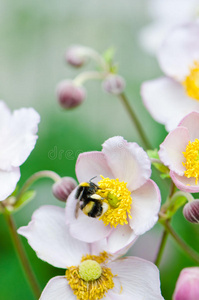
8	182
18	138
128	161
145	207
49	236
92	164
191	122
136	279
179	50
185	184
84	228
167	101
57	288
171	150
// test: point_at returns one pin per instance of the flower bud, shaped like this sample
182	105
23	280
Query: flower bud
187	287
77	56
191	211
113	84
62	188
70	95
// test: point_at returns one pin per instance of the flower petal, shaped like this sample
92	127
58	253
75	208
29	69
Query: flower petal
180	50
18	138
128	161
8	182
167	101
84	228
185	184
171	150
136	279
49	236
191	122
5	115
57	288
145	207
92	164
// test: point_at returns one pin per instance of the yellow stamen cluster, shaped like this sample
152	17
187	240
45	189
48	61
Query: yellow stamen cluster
91	289
191	83
192	160
118	197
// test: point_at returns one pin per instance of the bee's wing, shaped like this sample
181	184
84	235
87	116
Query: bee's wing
77	205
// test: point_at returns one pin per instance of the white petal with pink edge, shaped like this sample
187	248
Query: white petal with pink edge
167	101
8	182
57	288
82	227
145	207
49	236
128	161
18	138
179	50
92	164
136	279
191	122
185	184
171	150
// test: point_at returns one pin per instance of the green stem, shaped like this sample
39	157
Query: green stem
22	255
188	250
161	247
135	120
41	174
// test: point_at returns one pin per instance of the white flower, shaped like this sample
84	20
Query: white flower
169	99
89	272
165	16
17	140
122	171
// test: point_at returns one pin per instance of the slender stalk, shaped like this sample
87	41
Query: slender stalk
88	75
135	120
161	247
188	250
41	174
22	255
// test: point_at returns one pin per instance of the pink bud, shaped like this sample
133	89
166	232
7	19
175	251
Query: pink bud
76	56
62	188
191	211
113	84
69	95
187	286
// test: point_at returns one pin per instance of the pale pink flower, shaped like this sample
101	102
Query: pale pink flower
112	278
17	140
169	99
119	163
187	286
165	15
179	152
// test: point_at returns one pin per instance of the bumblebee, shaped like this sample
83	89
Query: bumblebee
88	201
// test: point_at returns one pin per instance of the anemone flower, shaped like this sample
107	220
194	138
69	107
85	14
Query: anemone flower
90	272
179	152
17	140
169	99
121	172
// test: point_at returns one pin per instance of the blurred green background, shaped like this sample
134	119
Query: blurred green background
34	36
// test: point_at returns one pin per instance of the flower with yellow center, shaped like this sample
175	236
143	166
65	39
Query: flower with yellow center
92	273
191	82
180	152
130	200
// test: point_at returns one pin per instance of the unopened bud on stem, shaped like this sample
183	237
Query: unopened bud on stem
70	95
77	56
187	287
63	187
113	84
191	212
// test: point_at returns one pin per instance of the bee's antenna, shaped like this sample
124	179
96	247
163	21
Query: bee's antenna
92	178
